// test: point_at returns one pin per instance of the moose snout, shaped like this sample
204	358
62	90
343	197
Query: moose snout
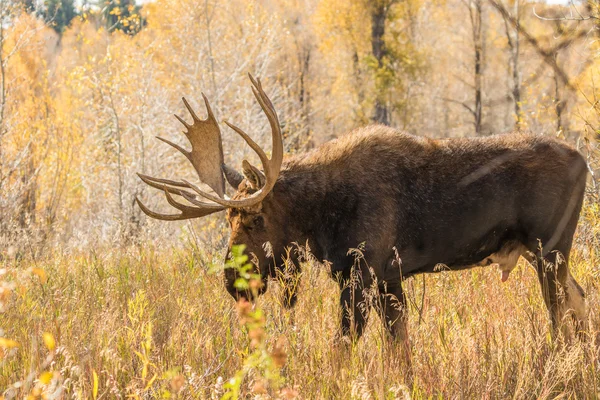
255	288
231	276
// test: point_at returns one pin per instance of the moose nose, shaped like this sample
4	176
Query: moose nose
231	276
239	294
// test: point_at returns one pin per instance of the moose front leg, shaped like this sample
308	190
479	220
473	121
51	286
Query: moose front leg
355	310
290	281
394	313
392	303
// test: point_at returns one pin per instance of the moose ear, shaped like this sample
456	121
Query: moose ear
233	177
253	175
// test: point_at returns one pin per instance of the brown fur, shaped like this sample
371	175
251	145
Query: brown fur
458	202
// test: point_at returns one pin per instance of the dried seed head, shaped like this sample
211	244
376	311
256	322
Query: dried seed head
259	387
255	284
288	393
243	308
256	335
279	354
177	383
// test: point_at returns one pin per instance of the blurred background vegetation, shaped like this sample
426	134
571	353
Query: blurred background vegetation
85	87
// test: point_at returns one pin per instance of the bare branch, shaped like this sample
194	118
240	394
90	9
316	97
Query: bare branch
547	55
462	103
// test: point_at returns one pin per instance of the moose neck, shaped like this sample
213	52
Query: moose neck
313	206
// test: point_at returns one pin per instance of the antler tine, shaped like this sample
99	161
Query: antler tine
269	110
176	146
209	111
188	209
188	126
187	212
257	87
155	215
161	184
150	179
261	154
191	110
192	199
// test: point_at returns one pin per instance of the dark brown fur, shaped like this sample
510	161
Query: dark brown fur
455	202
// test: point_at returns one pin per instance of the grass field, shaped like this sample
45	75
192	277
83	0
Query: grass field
147	323
99	301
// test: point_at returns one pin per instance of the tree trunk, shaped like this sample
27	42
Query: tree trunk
475	12
378	16
28	197
304	97
514	46
117	133
2	91
208	20
559	104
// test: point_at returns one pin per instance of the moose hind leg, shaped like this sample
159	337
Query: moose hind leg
562	294
575	303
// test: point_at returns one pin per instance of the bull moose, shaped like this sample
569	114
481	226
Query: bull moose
412	202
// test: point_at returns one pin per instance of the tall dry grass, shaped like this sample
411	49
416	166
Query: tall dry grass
156	323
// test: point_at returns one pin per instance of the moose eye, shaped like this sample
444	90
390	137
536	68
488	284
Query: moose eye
257	222
253	222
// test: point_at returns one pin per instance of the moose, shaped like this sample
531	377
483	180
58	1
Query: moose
412	203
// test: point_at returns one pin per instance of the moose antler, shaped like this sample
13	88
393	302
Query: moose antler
207	158
272	166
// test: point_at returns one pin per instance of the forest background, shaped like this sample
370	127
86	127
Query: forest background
85	87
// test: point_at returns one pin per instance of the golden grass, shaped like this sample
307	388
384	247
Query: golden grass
148	324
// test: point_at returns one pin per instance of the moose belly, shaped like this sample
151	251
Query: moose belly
501	251
506	258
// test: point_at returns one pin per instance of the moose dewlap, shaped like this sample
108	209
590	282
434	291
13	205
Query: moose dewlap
413	203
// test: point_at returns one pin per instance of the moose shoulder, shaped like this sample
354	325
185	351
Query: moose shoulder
412	204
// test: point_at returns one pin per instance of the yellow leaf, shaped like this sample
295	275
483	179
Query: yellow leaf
150	382
45	377
40	273
49	341
7	343
95	388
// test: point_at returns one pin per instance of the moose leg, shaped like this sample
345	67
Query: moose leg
290	292
562	294
393	309
289	278
394	312
355	311
576	304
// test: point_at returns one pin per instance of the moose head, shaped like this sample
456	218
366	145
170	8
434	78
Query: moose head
249	211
